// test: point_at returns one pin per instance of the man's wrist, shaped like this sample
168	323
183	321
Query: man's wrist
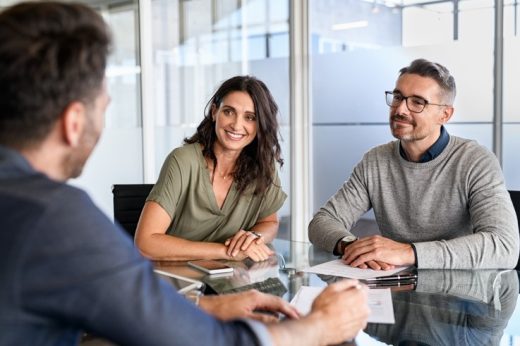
316	322
337	248
206	303
343	243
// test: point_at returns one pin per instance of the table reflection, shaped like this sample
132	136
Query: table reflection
452	307
446	307
246	275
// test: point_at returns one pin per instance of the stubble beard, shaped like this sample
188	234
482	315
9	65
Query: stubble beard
75	162
394	128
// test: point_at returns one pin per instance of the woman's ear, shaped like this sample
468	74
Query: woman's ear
213	112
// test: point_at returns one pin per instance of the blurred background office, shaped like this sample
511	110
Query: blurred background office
327	63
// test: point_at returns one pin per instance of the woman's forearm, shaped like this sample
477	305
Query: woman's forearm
268	230
166	247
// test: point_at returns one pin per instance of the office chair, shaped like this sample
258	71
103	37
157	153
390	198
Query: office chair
515	197
129	200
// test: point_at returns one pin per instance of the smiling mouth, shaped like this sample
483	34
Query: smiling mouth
398	120
401	122
234	135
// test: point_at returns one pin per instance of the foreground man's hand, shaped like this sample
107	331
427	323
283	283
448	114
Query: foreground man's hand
344	310
337	315
248	304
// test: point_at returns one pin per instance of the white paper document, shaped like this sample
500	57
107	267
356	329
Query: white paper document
339	268
366	340
379	301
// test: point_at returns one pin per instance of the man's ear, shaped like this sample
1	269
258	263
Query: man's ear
447	113
73	123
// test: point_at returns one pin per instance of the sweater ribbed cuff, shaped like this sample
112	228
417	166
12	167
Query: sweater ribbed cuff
416	264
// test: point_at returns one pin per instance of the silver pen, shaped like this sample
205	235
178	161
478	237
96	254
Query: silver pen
392	278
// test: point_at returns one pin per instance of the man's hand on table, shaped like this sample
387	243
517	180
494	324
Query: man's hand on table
337	315
378	253
246	305
342	309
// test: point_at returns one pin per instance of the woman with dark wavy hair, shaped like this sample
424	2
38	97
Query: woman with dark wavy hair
217	196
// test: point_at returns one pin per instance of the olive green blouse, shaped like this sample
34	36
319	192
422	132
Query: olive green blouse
185	192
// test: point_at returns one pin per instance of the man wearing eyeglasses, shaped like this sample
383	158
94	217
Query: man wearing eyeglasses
65	267
439	200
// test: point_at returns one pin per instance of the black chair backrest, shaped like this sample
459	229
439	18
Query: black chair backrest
129	200
515	197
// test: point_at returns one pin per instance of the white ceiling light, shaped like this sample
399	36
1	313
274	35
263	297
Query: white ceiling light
350	25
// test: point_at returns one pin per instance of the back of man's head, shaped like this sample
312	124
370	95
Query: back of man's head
51	54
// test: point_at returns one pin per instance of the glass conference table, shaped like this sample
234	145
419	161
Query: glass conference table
446	307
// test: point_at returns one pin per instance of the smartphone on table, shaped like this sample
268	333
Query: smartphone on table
211	266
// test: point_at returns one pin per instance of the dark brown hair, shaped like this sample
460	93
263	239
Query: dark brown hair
51	54
256	163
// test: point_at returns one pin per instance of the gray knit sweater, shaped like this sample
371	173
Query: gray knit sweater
455	209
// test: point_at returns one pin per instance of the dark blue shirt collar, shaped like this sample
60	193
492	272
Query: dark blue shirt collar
434	151
12	163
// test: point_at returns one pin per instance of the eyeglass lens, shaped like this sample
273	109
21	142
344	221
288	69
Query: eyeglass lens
414	103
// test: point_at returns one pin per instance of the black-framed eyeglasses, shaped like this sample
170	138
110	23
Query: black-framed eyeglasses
415	104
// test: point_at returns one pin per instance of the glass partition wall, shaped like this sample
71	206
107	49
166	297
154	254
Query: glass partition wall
511	87
356	48
357	51
118	157
200	43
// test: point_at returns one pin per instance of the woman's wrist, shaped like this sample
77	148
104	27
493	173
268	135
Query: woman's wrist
222	252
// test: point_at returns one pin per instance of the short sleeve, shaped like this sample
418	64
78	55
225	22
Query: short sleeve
168	189
273	200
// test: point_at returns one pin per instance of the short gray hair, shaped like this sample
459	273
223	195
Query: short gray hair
439	73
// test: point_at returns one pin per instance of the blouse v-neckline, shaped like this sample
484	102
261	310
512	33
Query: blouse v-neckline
212	198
